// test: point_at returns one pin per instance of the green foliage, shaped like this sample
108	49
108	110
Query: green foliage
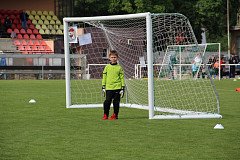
208	14
214	12
88	8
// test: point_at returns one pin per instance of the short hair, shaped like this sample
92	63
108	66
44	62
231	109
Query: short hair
113	52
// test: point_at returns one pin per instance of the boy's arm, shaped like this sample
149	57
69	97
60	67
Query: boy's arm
122	77
104	76
104	82
123	83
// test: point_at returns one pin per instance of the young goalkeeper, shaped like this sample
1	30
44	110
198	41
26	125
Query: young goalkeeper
112	86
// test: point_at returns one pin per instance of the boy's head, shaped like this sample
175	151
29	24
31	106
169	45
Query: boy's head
113	56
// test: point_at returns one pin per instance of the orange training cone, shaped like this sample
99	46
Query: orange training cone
237	89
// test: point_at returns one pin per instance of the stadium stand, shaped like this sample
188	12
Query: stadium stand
28	41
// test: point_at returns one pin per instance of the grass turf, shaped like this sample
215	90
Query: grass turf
47	130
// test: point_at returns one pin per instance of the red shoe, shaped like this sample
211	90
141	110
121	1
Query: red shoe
113	117
105	117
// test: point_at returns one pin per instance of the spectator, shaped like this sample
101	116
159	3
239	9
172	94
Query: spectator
216	68
179	38
198	59
194	69
7	23
2	29
24	18
221	66
13	35
203	70
233	60
210	65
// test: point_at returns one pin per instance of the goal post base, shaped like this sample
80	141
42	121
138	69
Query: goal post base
177	114
91	105
85	106
193	116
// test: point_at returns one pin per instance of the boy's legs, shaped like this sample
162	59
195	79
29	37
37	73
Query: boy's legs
108	101
116	102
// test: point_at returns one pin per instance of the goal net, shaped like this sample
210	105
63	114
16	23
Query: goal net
146	42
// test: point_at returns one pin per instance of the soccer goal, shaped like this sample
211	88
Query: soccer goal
167	90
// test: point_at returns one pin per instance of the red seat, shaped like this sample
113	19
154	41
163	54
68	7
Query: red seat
35	31
35	49
16	42
28	48
9	30
43	43
29	31
16	21
9	12
26	36
24	42
39	36
16	30
22	31
16	12
12	17
14	26
3	20
19	26
29	22
19	36
41	48
30	43
21	48
36	43
32	36
31	26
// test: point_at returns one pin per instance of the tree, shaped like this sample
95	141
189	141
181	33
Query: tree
213	17
207	14
88	8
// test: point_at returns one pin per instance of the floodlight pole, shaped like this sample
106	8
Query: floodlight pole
228	34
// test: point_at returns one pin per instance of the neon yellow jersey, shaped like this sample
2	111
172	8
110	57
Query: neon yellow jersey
113	77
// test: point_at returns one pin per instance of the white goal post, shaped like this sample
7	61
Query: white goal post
140	38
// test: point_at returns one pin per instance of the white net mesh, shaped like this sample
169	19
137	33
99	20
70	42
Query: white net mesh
184	83
128	38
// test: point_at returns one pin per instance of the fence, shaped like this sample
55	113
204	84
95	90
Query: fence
38	66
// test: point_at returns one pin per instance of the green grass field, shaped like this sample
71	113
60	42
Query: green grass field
48	131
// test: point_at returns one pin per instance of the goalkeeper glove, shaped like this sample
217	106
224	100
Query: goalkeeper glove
103	91
122	92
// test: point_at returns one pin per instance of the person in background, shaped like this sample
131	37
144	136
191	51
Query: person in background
233	60
13	34
195	68
216	68
221	66
7	23
24	17
2	30
210	66
179	38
